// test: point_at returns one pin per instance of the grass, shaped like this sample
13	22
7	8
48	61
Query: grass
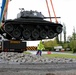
68	51
59	56
55	55
25	52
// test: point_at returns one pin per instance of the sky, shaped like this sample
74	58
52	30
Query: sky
63	8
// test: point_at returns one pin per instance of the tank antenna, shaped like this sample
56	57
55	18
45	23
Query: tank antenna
22	9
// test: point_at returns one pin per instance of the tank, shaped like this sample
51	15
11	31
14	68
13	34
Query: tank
30	25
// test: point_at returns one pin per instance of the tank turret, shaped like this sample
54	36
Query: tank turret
30	25
30	14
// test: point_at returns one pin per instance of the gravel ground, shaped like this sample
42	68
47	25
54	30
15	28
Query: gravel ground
28	64
17	58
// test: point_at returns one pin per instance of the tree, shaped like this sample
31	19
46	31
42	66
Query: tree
50	44
73	45
64	31
73	37
74	34
69	38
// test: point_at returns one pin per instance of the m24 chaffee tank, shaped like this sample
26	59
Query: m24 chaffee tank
30	25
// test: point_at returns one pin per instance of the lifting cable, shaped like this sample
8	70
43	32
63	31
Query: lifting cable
53	11
48	10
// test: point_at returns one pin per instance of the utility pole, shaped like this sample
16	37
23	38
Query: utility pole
64	31
74	33
61	37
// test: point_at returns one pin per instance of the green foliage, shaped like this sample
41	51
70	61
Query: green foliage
72	41
57	39
49	49
59	56
73	37
25	52
49	45
74	50
73	45
65	45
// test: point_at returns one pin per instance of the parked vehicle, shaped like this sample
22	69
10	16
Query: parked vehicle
58	48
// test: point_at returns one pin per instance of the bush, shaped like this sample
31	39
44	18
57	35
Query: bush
74	50
49	49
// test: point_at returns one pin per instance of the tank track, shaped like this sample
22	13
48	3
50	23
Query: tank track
31	29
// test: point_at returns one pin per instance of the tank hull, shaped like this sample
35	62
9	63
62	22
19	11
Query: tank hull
31	29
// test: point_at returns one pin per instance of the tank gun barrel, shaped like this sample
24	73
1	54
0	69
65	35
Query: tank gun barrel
51	17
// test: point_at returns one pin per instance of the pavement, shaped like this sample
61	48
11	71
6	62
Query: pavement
34	52
46	52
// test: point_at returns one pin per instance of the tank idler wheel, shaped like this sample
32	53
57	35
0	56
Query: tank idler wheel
59	29
35	34
9	27
43	34
16	34
26	34
50	34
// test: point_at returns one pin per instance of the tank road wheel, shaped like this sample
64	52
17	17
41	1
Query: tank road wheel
43	34
58	29
16	34
26	34
35	34
9	27
50	34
